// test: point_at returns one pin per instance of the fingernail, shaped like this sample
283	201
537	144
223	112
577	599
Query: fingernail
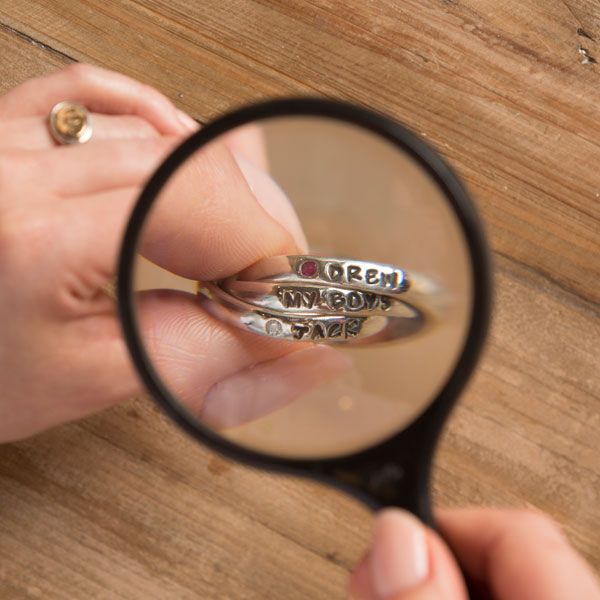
188	123
399	559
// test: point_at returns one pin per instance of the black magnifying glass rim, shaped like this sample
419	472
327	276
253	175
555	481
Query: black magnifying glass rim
425	429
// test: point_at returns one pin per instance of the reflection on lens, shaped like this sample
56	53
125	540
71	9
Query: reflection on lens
302	287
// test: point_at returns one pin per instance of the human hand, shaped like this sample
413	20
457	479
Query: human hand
512	554
62	214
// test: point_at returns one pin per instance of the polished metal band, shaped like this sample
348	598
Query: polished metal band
314	299
306	327
342	273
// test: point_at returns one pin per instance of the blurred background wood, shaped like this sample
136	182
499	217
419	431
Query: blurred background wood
123	505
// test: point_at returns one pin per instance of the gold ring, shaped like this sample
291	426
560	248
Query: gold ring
70	123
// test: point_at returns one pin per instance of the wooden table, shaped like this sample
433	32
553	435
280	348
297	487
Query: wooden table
123	505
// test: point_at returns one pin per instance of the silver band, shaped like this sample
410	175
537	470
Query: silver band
294	299
362	288
342	273
305	327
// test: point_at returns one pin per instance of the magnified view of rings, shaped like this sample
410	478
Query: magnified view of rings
334	300
323	300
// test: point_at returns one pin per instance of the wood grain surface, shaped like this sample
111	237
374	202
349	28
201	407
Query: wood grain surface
123	505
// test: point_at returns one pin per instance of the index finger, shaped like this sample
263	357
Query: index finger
99	90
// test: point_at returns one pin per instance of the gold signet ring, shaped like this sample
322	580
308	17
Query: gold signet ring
70	123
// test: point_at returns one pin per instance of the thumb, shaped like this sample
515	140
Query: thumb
407	561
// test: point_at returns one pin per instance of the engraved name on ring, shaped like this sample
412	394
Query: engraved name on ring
349	273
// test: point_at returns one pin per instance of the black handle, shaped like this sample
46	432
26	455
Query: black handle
404	486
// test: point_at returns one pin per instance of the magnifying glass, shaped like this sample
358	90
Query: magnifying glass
304	286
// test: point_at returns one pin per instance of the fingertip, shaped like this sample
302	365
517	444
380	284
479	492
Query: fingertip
400	556
407	561
189	124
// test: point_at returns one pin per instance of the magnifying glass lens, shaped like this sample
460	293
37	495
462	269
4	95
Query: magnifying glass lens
302	286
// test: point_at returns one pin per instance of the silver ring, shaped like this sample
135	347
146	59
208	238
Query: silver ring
320	328
70	123
302	270
294	299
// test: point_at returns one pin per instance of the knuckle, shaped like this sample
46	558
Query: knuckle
153	96
138	156
155	148
79	72
139	125
539	522
151	92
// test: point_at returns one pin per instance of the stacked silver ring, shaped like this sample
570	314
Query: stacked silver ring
322	300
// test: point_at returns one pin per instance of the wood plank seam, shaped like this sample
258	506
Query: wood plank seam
38	43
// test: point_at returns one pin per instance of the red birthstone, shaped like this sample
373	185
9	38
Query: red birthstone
308	268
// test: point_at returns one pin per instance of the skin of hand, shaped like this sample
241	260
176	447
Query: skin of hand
63	210
508	554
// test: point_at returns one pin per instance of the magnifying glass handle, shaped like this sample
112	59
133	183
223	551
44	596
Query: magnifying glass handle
397	484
